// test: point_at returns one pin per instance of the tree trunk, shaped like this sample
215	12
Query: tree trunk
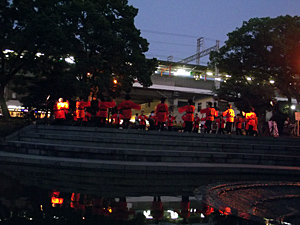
3	105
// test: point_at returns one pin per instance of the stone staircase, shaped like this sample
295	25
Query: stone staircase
152	146
112	161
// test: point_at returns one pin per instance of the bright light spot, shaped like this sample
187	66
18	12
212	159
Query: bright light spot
227	75
41	206
209	73
7	51
39	54
13	107
147	214
70	60
115	81
293	107
272	81
83	218
182	72
218	78
202	215
174	215
30	218
249	78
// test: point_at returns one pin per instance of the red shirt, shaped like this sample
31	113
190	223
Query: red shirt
126	107
210	113
103	106
238	123
142	119
161	112
196	122
117	118
170	120
229	113
222	125
189	109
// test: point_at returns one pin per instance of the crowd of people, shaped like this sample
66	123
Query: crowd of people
207	120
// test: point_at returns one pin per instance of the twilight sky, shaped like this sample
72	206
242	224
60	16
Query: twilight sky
172	27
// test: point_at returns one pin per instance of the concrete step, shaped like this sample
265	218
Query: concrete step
201	144
160	135
150	155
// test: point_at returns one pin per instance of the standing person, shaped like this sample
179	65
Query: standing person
161	112
210	116
170	121
221	124
60	109
183	124
136	121
80	109
229	114
142	120
102	110
189	109
126	106
196	123
117	117
250	117
238	124
152	121
157	209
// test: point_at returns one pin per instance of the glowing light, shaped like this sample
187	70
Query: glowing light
209	73
182	72
7	51
249	78
115	81
39	54
147	214
174	215
70	60
293	107
55	200
272	81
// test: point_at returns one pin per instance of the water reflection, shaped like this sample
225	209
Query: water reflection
33	205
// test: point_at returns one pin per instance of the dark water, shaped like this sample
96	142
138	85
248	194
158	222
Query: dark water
32	205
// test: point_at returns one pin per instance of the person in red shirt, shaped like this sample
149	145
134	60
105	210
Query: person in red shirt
229	114
184	212
183	124
238	124
161	112
251	120
120	210
102	110
60	109
80	109
157	209
170	122
210	116
117	117
142	120
221	124
126	107
196	123
189	109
